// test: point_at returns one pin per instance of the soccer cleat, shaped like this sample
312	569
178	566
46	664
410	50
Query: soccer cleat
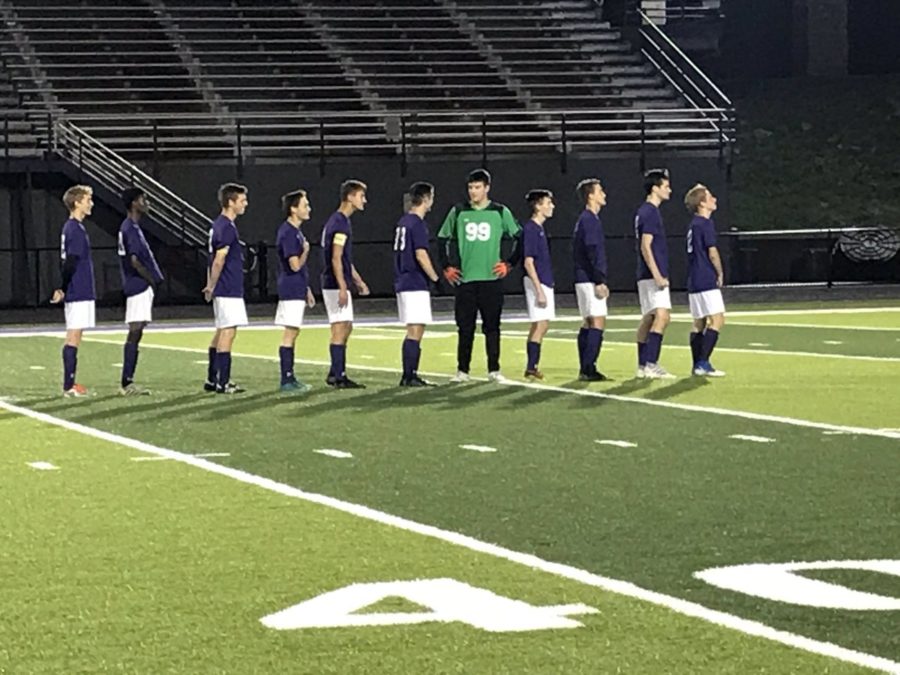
347	383
415	381
706	369
654	371
295	386
713	372
497	377
461	376
331	380
595	376
209	386
641	372
534	374
230	388
131	389
77	391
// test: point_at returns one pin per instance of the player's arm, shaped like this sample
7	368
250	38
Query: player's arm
140	269
72	254
598	273
424	261
716	261
448	248
512	239
214	272
358	281
297	261
337	267
647	253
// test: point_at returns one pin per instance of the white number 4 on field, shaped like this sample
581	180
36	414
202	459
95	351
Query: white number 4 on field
446	600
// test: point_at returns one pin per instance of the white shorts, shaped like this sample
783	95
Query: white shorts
414	307
652	296
336	314
536	313
588	302
706	303
80	315
290	313
139	308
229	312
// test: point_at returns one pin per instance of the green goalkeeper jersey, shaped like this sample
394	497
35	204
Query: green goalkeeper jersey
476	233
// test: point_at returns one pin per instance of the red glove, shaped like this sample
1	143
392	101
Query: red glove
501	269
452	275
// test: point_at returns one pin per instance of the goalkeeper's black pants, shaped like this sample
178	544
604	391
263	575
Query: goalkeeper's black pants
474	298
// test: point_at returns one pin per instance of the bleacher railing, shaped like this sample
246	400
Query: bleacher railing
102	164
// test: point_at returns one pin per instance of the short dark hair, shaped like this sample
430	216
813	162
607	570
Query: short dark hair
348	187
418	192
479	176
535	197
130	196
586	187
228	192
654	178
290	200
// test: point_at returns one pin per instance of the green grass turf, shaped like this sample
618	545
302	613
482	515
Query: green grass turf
686	498
111	565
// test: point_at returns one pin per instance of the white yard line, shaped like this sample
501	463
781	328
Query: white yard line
865	431
478	448
751	438
626	588
43	466
617	444
338	454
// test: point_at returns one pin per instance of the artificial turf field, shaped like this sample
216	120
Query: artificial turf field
132	554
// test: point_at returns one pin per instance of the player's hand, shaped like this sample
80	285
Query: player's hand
57	297
662	283
501	269
343	297
306	245
720	282
601	291
453	275
363	288
310	298
540	299
208	293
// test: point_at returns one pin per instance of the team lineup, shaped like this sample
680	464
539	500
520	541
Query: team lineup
479	243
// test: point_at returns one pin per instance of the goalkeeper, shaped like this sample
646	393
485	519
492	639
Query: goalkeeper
470	255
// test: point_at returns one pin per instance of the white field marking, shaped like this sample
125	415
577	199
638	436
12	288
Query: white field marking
832	342
323	323
478	448
367	357
626	588
447	354
156	458
43	466
389	338
213	454
116	365
202	363
339	454
762	417
751	438
759	344
845	433
37	368
617	444
818	326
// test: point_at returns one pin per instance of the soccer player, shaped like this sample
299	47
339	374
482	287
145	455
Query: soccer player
705	280
470	256
77	289
140	276
653	275
538	279
225	287
591	291
339	272
294	293
412	272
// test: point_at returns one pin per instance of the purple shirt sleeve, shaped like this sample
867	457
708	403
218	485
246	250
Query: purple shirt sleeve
223	237
652	224
292	246
709	236
75	243
419	237
530	243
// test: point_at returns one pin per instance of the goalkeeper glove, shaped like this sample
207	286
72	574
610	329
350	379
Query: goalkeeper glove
501	269
452	275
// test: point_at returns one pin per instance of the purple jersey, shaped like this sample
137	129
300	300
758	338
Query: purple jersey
223	234
536	246
701	273
337	230
75	245
289	242
132	243
410	236
589	249
649	221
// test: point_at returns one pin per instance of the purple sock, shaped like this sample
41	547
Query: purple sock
129	362
592	349
70	363
409	353
338	360
286	356
642	354
533	349
582	341
710	337
212	370
696	346
654	347
223	361
416	358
